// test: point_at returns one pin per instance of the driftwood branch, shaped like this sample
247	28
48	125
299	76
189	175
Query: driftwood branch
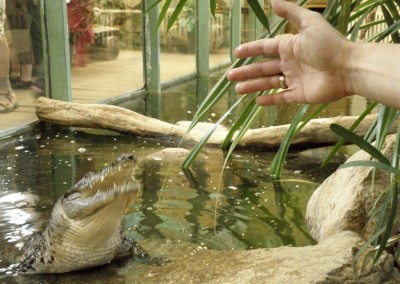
316	132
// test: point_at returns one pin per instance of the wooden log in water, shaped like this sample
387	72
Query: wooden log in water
103	117
315	133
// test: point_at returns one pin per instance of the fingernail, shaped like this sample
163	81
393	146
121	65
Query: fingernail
238	88
239	48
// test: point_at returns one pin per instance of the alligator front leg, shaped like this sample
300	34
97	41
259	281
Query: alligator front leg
130	247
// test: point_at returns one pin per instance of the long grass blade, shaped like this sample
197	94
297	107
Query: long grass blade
280	157
153	5
351	137
197	148
344	16
341	141
364	248
248	121
385	120
389	221
385	33
163	12
372	164
216	93
213	7
356	29
311	116
238	123
259	12
391	17
178	9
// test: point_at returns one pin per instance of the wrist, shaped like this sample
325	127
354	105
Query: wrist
351	57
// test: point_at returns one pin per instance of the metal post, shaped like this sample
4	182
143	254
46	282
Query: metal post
58	58
151	48
236	30
202	38
151	58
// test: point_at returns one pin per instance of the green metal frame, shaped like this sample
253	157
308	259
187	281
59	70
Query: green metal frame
202	38
236	12
57	59
151	58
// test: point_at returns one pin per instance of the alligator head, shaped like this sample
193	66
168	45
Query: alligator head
86	225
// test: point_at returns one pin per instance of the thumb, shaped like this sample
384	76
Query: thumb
290	11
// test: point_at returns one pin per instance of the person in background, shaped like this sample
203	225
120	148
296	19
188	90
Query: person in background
19	22
80	25
317	65
8	100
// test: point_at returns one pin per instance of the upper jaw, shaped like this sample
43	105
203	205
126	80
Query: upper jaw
114	186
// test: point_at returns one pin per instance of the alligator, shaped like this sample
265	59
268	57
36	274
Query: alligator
86	227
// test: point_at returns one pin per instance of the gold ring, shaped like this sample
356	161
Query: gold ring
282	83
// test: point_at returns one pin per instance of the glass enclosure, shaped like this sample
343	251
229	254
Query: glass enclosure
105	48
22	59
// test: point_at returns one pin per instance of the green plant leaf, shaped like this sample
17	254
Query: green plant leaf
372	164
238	123
356	29
351	128
385	120
163	12
391	17
259	12
280	157
153	5
385	33
344	16
311	116
197	148
216	93
178	9
254	111
389	221
213	7
351	137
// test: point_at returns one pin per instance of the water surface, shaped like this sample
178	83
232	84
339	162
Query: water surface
178	212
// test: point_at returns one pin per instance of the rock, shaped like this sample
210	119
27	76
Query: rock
327	262
169	154
344	200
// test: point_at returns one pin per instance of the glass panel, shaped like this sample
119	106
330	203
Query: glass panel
21	61
178	44
220	33
106	48
251	27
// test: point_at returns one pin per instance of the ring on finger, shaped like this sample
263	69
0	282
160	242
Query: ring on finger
282	82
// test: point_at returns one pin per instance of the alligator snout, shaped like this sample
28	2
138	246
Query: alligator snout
86	227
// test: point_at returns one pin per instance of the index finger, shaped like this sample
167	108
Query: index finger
264	47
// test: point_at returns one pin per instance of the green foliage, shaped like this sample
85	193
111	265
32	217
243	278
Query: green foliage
352	19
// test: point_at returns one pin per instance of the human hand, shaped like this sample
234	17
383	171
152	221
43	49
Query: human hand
313	61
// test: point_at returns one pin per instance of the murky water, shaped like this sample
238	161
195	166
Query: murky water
177	213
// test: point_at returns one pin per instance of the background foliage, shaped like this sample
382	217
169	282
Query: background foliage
353	19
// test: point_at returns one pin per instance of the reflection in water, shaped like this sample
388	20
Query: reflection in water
191	211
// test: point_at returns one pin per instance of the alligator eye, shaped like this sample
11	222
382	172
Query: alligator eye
72	195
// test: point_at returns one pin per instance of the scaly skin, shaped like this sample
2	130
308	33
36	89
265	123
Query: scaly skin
86	225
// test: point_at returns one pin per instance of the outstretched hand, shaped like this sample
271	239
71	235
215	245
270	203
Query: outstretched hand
312	61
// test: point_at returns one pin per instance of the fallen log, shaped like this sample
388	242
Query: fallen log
316	132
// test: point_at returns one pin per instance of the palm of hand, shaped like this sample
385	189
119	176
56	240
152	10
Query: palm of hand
311	64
